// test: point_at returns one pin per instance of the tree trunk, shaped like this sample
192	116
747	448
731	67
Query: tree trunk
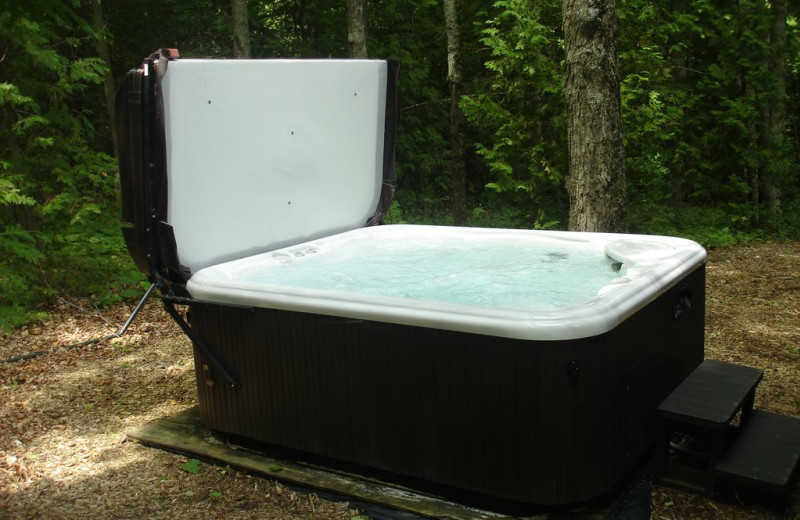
456	115
241	29
777	108
356	29
756	131
754	169
596	180
99	23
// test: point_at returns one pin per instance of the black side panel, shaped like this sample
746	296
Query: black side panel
129	120
534	422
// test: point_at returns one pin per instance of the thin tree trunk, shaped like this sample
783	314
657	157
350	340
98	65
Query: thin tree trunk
356	28
241	29
756	128
596	181
777	109
454	80
105	54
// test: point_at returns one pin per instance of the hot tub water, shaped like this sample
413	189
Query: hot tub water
499	274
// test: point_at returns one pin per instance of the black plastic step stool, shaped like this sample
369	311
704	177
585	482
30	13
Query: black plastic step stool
704	406
765	454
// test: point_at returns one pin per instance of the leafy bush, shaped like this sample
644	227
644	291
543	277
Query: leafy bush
519	112
88	261
58	187
720	226
92	261
18	276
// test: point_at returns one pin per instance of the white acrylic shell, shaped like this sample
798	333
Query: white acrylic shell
266	153
651	265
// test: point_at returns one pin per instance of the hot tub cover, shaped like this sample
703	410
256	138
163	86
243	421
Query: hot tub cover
221	159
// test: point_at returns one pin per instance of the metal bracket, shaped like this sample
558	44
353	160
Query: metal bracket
200	344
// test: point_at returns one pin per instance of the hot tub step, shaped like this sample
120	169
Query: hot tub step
712	395
765	454
703	406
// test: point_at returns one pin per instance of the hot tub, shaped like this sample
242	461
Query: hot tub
517	365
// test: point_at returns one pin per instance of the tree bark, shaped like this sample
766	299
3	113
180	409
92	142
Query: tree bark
754	169
356	29
99	23
777	109
241	29
596	180
454	80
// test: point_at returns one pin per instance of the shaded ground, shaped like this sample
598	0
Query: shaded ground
64	415
752	318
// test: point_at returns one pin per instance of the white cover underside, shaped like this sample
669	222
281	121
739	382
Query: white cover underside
650	266
266	153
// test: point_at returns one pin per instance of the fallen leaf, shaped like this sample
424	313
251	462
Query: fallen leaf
192	466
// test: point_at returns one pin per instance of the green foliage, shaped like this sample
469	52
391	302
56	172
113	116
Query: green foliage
18	274
96	248
713	227
697	92
191	466
697	88
395	214
404	31
518	109
57	188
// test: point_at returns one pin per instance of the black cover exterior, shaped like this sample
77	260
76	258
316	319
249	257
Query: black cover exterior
534	422
143	176
143	170
389	138
129	121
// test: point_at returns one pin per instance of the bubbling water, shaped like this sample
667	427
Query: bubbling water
501	274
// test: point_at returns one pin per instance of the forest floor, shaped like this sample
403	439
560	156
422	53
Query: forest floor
64	415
